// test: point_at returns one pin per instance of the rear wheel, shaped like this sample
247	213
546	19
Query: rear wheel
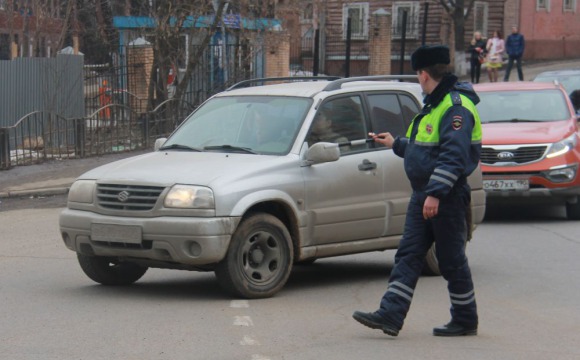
431	264
108	271
573	210
259	259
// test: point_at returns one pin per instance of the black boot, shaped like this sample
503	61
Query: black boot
454	329
376	321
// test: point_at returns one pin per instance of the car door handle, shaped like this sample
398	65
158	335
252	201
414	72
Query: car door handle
367	165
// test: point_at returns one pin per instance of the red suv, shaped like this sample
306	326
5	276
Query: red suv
530	149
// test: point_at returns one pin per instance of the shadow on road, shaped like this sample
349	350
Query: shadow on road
191	286
524	213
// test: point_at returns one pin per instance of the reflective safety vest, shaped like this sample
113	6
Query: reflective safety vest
428	130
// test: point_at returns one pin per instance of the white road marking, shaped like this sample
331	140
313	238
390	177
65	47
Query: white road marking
239	304
249	341
259	357
243	321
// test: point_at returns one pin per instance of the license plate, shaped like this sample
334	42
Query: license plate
506	184
116	233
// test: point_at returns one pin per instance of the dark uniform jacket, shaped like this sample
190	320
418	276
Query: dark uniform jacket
443	143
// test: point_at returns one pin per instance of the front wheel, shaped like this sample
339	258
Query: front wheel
259	259
109	271
573	210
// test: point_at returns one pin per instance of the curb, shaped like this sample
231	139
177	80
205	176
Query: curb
34	192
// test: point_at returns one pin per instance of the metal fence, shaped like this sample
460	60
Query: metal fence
117	117
41	136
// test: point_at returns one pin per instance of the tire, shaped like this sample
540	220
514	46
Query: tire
431	264
431	267
259	259
573	210
108	271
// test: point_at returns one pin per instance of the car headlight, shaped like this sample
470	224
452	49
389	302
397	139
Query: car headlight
82	191
562	147
190	197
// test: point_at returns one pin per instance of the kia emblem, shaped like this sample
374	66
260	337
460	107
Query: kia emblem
123	196
505	155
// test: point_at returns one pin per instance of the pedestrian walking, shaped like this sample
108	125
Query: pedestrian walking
514	45
477	51
495	48
441	148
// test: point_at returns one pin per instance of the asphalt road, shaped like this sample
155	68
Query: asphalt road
524	261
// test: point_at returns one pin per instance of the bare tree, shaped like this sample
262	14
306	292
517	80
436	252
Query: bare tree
459	11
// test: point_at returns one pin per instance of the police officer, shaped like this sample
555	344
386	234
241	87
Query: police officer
441	148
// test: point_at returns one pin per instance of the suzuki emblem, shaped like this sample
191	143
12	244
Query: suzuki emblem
123	196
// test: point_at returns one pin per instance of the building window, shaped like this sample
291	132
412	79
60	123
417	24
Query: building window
543	5
2	4
412	10
570	5
307	14
480	14
359	19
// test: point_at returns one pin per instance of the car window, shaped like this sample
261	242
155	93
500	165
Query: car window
386	114
392	112
537	105
262	124
339	120
410	108
569	82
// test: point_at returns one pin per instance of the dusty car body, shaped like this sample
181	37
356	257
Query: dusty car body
241	189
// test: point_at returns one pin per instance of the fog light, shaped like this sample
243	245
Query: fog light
194	249
562	175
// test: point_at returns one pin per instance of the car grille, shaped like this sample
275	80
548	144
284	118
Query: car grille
519	155
128	197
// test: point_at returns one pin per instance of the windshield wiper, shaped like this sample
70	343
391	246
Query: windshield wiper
514	120
180	147
230	148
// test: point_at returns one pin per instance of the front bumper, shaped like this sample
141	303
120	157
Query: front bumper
190	241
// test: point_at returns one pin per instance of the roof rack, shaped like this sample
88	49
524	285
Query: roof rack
337	84
246	83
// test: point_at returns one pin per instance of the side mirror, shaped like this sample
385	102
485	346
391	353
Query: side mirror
322	152
159	143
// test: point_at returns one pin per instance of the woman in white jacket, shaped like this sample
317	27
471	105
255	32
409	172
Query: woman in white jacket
495	49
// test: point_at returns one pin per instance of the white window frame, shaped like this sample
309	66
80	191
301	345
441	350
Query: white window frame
545	6
308	10
363	7
413	8
485	16
571	6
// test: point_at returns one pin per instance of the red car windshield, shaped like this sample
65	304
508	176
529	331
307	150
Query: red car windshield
523	105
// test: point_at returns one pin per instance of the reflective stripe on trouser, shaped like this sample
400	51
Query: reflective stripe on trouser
448	230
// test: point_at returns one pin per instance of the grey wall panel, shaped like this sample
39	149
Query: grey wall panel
41	84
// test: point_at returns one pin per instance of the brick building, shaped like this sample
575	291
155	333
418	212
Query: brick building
30	28
302	18
551	27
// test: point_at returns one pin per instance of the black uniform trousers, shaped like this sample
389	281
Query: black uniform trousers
448	230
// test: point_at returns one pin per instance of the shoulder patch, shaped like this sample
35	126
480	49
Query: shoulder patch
457	122
455	98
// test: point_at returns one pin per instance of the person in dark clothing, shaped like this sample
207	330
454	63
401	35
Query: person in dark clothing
575	98
477	51
515	45
441	149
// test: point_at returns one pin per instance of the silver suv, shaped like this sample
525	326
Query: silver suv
254	181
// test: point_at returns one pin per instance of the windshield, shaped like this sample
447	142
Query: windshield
243	124
523	105
569	82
